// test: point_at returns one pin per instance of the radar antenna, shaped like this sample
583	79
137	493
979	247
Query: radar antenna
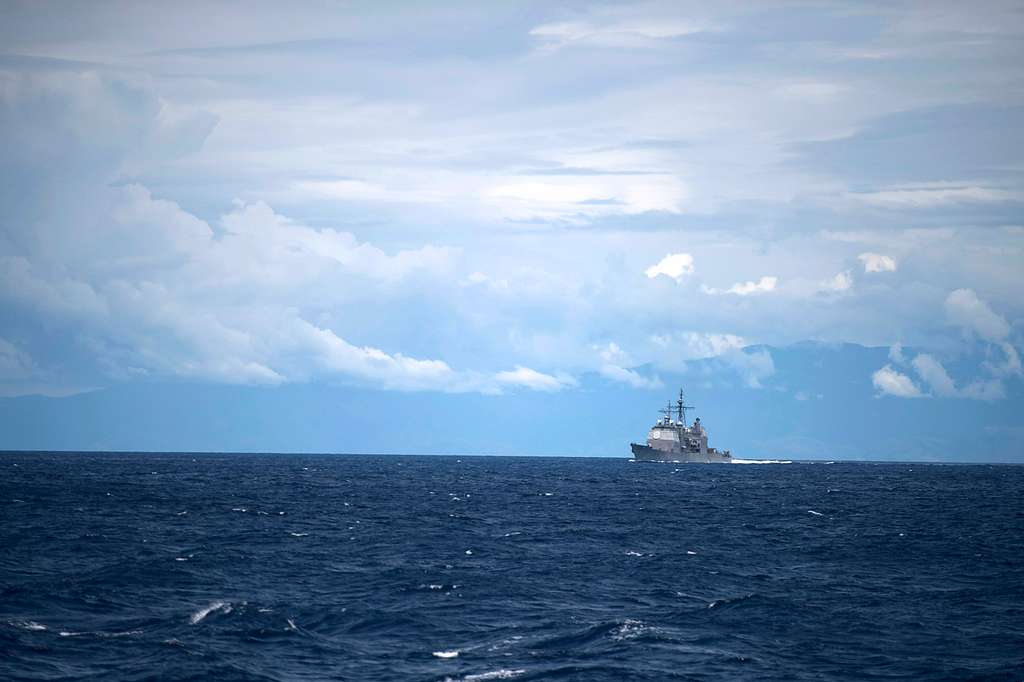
682	407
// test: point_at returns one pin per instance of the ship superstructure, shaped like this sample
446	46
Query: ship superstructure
673	440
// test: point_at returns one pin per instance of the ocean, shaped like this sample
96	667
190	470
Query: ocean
302	567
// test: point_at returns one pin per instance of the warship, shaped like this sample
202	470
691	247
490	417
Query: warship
672	440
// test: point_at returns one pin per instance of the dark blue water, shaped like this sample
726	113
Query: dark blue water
428	568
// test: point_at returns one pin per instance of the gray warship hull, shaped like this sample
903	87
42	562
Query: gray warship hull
673	440
645	453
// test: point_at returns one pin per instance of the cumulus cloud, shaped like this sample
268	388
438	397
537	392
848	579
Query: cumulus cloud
335	263
630	377
612	367
934	375
674	265
525	377
841	282
763	285
935	378
1011	365
752	366
876	262
888	381
896	353
965	309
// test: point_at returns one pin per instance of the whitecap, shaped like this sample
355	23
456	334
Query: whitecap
512	534
690	552
503	674
126	633
629	629
811	511
297	535
212	607
505	643
632	553
762	461
469	551
446	654
291	625
28	625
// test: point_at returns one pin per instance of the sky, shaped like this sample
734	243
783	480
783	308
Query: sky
494	199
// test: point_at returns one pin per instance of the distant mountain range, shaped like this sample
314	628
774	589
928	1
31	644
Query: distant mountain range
812	401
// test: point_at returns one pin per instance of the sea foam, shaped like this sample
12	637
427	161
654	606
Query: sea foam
212	607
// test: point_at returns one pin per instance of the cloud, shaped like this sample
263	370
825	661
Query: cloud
890	382
896	353
876	262
372	364
630	377
935	378
613	362
965	309
671	351
763	285
841	282
614	32
674	265
987	390
477	278
934	375
936	196
1012	365
752	365
584	196
538	381
15	364
421	220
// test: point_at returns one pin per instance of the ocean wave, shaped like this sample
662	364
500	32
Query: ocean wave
212	607
562	600
28	625
503	674
629	629
731	601
761	461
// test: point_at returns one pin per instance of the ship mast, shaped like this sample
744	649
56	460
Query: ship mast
681	408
